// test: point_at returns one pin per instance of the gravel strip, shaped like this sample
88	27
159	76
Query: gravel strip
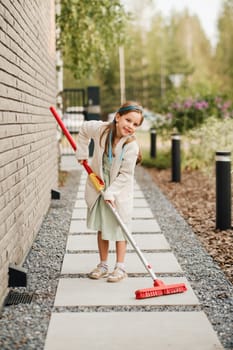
213	290
24	326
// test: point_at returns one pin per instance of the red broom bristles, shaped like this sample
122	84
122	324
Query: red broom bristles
161	290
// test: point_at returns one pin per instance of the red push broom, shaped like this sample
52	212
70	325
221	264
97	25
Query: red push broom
159	288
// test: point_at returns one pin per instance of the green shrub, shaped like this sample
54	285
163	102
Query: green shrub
202	143
190	113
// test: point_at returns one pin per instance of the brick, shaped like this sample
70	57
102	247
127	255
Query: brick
28	148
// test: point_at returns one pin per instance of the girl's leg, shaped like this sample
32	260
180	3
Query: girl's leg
102	268
120	251
103	246
119	272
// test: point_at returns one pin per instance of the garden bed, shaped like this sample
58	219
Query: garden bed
194	198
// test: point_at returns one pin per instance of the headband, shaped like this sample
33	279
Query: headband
130	108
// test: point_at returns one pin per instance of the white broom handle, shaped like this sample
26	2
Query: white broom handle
132	241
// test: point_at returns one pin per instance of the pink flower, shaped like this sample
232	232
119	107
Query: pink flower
169	115
201	105
226	105
188	104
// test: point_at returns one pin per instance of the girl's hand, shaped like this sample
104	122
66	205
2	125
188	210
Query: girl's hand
112	203
81	161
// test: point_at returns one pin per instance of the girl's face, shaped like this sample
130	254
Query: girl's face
127	123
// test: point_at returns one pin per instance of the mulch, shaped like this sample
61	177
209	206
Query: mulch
195	199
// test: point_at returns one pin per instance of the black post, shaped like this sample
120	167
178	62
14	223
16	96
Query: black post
152	143
176	159
223	190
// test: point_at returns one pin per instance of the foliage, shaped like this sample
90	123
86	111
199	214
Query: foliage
154	54
224	50
186	114
198	146
89	30
162	160
202	143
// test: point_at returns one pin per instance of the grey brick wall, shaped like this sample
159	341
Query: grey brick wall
28	145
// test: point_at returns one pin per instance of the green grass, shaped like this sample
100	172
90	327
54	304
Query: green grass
161	161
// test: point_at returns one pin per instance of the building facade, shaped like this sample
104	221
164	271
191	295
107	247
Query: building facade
28	132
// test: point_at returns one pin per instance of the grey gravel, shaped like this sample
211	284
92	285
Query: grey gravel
24	326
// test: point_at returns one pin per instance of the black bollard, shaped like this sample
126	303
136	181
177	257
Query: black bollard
152	143
223	190
176	159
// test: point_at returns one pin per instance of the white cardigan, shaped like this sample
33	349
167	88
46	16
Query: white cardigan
122	169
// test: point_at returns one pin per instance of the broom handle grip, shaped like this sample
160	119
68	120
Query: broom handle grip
63	127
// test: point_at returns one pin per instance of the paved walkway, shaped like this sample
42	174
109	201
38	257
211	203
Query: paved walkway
91	314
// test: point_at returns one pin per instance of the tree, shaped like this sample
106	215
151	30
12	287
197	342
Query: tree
89	30
224	51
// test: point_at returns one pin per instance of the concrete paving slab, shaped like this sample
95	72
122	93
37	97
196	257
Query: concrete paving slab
132	330
80	213
149	225
80	203
79	292
138	226
89	242
84	263
144	213
83	180
138	194
141	203
79	226
80	195
69	162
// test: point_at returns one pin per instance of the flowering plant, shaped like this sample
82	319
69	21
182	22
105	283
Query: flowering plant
190	113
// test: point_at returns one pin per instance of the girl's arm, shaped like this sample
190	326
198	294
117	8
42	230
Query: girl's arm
87	131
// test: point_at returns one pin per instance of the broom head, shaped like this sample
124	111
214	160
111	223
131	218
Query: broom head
160	289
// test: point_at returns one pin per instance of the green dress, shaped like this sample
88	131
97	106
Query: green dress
100	217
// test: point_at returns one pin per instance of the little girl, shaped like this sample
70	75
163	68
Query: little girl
116	153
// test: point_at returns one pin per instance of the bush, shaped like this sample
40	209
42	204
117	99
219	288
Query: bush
186	114
214	135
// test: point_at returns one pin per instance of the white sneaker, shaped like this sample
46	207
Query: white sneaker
100	271
117	275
